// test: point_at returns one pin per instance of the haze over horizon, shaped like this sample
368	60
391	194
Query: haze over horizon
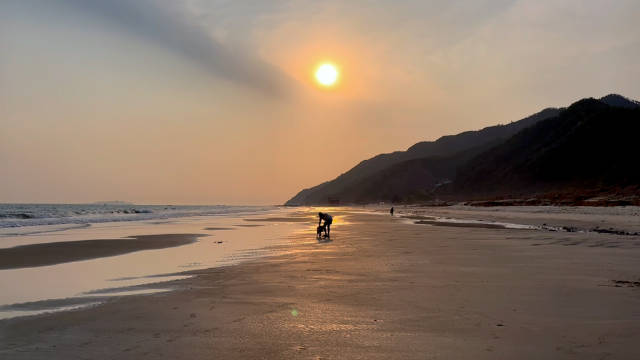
210	102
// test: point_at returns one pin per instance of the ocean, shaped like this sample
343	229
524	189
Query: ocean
20	215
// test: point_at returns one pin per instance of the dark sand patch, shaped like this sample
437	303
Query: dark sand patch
67	251
218	228
615	231
463	225
418	217
282	219
625	283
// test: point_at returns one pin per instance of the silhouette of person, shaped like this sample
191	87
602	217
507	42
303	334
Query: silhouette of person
328	219
391	211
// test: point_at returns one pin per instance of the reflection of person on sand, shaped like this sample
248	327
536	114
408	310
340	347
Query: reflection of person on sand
328	219
391	211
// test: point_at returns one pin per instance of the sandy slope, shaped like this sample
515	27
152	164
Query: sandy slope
382	289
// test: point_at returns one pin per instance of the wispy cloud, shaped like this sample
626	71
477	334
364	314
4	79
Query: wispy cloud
173	26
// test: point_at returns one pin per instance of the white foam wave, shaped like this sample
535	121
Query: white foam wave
23	215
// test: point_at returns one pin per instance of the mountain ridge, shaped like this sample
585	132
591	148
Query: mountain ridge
590	145
443	146
414	174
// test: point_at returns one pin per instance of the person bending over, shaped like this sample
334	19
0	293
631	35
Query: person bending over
328	219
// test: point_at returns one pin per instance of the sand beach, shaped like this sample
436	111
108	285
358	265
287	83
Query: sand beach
383	288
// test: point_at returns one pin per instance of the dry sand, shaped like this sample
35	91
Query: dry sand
382	289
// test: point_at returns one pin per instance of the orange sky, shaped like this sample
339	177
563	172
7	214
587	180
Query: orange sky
214	101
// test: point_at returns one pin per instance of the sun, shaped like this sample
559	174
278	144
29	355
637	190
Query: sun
327	74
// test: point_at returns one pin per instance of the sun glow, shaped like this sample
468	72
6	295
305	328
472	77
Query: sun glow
327	74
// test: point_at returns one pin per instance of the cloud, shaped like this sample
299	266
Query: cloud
172	26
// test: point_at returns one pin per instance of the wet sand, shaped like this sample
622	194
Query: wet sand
467	225
52	253
626	219
280	219
382	289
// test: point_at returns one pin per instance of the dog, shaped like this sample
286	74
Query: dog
320	230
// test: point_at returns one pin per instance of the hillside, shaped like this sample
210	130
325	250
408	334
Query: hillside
591	145
343	186
620	101
586	146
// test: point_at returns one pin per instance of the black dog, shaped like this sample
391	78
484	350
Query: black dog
320	230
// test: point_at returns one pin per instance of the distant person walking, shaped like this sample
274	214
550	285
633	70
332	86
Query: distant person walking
328	219
391	211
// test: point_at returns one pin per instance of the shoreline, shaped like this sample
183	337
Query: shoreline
381	289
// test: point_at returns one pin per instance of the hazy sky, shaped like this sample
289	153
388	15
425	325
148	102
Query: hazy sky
196	101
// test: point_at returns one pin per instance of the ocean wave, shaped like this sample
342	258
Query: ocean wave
21	215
